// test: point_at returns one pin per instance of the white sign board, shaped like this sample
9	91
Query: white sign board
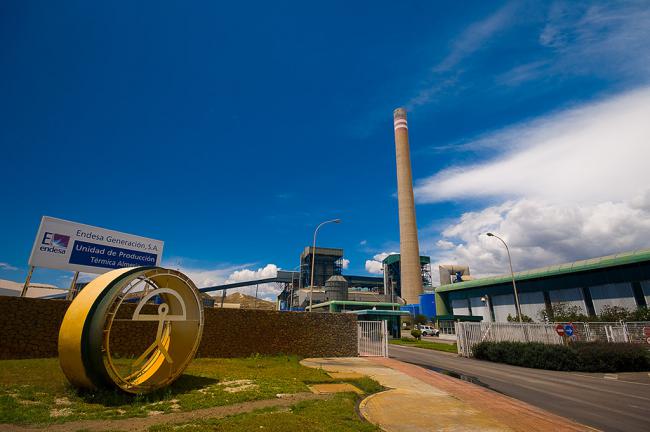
66	245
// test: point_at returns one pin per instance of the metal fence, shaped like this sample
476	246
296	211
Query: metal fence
470	333
372	338
447	327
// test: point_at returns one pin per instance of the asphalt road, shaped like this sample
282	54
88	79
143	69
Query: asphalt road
609	402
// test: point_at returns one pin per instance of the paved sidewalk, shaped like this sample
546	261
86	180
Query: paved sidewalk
422	400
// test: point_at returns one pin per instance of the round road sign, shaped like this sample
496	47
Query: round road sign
568	330
559	329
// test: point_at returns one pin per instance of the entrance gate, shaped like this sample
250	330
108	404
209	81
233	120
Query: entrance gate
372	338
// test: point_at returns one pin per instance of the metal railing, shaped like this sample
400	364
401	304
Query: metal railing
372	338
470	333
447	327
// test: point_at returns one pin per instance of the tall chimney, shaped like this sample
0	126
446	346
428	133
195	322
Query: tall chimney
410	270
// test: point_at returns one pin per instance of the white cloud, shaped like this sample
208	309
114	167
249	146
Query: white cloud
346	263
444	244
219	275
268	291
476	35
471	39
374	265
588	154
573	185
598	39
268	271
7	266
595	40
540	234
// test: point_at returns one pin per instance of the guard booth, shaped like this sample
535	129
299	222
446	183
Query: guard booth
392	318
445	323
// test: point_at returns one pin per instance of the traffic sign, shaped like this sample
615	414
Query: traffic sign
559	329
568	330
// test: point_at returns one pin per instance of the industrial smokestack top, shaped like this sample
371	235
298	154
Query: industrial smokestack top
410	270
399	118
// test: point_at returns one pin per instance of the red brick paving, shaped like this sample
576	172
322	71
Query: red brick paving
516	414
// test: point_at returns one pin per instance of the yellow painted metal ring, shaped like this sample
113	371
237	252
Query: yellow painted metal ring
86	353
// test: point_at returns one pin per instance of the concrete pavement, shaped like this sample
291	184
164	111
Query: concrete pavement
611	402
421	400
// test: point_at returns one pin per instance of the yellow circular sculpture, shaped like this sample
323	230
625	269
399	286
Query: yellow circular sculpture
155	309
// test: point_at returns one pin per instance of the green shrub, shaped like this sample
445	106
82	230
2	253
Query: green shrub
580	356
416	333
524	318
564	312
407	339
641	314
420	319
613	357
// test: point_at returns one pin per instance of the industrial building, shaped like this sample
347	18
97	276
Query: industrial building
329	282
405	274
368	311
391	266
615	280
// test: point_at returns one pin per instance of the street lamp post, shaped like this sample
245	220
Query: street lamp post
514	286
299	267
313	258
486	299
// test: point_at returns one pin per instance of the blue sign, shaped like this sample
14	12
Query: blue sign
97	255
568	330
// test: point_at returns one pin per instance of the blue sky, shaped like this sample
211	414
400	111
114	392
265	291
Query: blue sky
230	130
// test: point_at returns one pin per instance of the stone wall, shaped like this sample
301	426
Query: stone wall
29	328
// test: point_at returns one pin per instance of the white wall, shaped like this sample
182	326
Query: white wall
479	308
460	307
532	304
571	296
503	306
619	294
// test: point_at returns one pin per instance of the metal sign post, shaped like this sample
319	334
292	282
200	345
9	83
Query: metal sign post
27	281
72	291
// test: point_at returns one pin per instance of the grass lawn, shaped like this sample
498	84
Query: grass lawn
438	346
35	391
336	414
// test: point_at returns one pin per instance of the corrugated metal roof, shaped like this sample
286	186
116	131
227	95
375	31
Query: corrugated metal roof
379	312
390	259
354	303
555	270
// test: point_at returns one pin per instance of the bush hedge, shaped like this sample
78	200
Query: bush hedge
579	356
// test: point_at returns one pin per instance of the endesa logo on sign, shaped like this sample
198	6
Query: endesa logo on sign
54	243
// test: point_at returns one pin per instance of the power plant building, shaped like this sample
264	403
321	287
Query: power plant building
329	282
589	285
392	273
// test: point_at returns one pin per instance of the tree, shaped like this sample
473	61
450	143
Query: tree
420	319
416	334
614	313
564	312
524	318
641	314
